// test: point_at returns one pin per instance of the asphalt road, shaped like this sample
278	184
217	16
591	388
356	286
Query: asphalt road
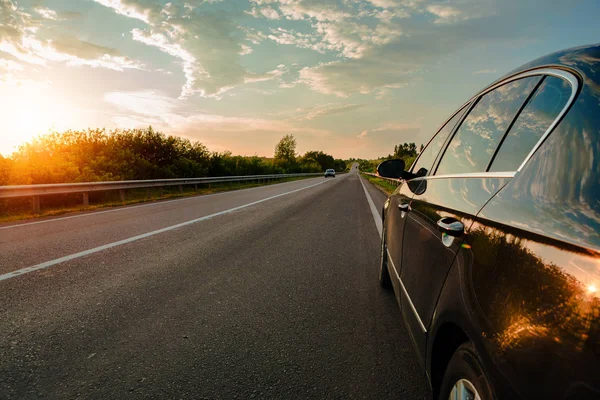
277	298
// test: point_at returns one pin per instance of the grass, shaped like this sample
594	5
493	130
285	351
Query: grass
382	184
134	196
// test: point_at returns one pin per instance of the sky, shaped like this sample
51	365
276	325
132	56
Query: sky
348	77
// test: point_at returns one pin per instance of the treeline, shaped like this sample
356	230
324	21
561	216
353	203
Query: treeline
405	151
101	155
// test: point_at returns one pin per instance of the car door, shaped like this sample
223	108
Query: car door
400	199
445	203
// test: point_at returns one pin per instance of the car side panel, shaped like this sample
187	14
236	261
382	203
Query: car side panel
455	309
394	224
535	277
427	254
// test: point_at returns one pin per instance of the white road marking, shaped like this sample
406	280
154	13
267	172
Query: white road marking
156	203
84	253
376	216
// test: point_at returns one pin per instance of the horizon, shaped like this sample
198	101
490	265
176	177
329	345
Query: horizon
351	79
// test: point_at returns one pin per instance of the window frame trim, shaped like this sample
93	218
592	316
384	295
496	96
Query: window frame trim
568	76
467	108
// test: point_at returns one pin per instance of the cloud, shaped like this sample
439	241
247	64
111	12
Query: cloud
144	102
396	131
363	75
145	11
485	71
266	12
10	65
353	39
403	56
46	13
320	10
325	109
141	108
18	37
206	44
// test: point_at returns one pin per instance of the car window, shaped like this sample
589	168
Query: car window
429	153
476	140
537	116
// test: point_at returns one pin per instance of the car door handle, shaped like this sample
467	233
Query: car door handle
404	207
451	226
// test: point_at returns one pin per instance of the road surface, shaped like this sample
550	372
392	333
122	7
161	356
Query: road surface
268	292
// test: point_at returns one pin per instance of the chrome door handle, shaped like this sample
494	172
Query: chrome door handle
451	226
404	207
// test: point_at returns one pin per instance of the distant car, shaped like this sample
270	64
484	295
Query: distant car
330	172
491	242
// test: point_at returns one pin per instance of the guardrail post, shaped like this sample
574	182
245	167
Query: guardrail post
195	188
86	199
161	191
147	193
36	204
180	188
122	195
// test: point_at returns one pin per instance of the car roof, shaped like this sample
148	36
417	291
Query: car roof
582	59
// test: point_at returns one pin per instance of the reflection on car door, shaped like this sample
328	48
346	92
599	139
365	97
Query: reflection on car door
441	213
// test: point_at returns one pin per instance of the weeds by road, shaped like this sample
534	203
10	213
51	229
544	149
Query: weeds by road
382	184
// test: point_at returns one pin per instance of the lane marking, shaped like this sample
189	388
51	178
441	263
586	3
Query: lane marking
154	203
376	216
84	253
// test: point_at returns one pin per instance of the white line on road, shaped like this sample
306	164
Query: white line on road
376	216
155	203
84	253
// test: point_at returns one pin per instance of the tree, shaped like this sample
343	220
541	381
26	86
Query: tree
285	152
325	161
286	148
5	167
405	150
340	165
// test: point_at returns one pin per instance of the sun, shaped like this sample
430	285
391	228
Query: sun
28	109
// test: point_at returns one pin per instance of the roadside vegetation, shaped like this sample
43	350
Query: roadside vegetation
96	155
100	155
382	184
405	151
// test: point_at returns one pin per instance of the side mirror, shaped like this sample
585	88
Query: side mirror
391	169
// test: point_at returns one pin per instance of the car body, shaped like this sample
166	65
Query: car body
492	240
330	172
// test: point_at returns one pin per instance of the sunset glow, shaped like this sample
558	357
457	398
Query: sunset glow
350	78
34	110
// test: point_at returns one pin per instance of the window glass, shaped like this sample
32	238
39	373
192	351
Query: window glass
537	116
429	153
475	142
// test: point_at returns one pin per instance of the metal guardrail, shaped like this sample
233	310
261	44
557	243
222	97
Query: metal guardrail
35	191
393	181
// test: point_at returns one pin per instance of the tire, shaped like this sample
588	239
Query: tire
384	273
465	372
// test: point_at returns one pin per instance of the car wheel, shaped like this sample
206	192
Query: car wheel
464	378
384	273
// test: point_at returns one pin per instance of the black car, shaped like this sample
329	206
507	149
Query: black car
492	241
